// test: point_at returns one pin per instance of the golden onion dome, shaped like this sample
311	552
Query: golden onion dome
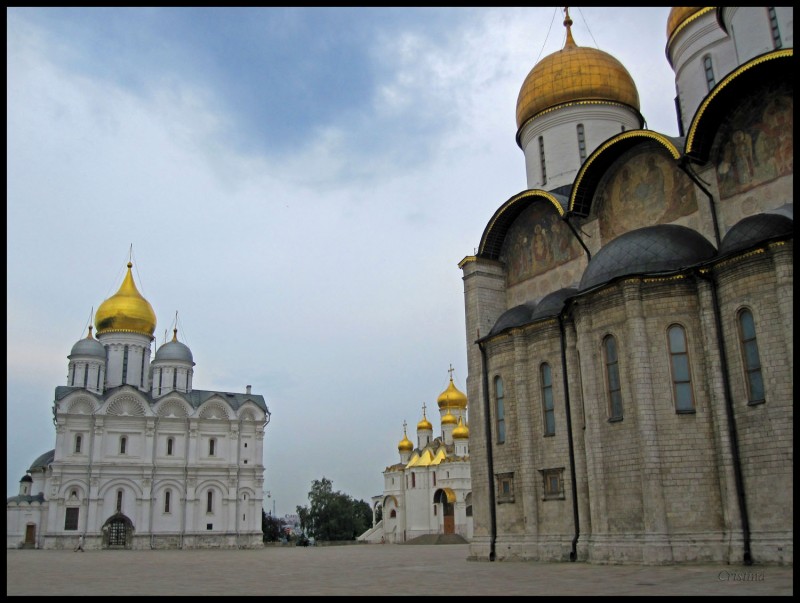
424	423
449	419
461	432
574	73
452	397
405	444
678	15
126	310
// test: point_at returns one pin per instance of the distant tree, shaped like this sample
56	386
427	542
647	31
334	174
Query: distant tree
333	515
272	527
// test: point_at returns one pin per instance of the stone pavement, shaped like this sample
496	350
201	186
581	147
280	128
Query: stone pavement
364	569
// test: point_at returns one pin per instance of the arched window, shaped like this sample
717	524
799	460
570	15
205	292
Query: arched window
773	24
392	513
500	410
679	365
123	445
541	160
78	442
750	358
581	143
210	502
125	366
709	70
170	446
613	386
212	444
547	399
166	501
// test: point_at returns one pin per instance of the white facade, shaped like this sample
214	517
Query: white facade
429	490
136	468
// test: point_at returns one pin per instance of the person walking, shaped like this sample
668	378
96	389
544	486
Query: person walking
80	544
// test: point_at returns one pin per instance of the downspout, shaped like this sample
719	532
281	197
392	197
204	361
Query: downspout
732	433
238	478
573	554
577	236
487	423
89	481
683	164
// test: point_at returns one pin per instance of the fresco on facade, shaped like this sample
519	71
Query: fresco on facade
537	241
757	149
647	189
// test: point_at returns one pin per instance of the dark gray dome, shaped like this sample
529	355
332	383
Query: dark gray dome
26	478
753	230
43	461
515	317
649	250
88	346
552	303
174	351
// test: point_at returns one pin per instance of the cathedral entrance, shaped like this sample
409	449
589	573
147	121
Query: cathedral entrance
118	532
447	499
30	536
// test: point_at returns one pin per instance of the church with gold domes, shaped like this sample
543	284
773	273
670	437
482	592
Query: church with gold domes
428	490
142	460
629	314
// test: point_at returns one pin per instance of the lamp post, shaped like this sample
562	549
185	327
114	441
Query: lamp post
269	495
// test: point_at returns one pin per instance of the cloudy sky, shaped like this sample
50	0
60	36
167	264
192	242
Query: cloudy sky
297	184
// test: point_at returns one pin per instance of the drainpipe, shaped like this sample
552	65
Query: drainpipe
577	236
573	554
153	484
684	165
732	433
487	422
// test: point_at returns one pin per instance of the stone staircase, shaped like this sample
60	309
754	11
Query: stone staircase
438	539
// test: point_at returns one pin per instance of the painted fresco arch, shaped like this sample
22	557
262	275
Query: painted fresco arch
496	230
600	161
768	68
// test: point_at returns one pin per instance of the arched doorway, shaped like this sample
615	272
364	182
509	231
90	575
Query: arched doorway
447	499
118	532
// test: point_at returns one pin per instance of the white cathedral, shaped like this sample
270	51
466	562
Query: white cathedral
141	459
429	491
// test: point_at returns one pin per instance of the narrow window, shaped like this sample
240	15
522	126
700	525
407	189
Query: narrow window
78	442
434	478
709	69
614	388
501	413
413	480
142	379
581	143
679	363
211	446
85	375
210	502
160	379
175	379
750	358
166	501
71	518
541	160
74	376
547	400
119	501
123	444
99	369
125	366
170	446
773	23
505	487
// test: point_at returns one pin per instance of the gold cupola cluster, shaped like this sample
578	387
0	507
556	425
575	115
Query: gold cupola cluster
126	310
574	74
